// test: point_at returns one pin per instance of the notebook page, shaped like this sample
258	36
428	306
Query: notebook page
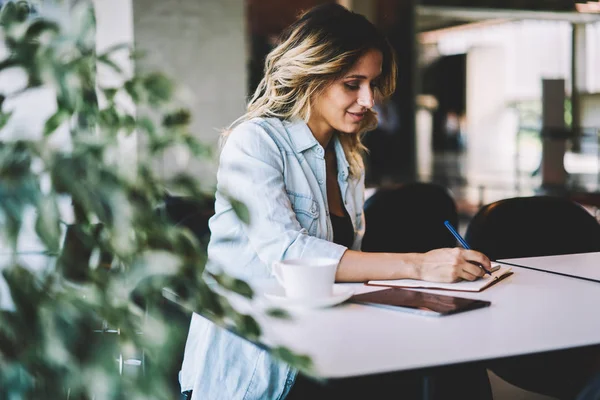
465	286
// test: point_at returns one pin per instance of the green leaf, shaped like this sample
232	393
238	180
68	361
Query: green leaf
9	14
278	313
147	125
56	120
110	93
115	48
40	26
129	124
109	118
240	210
48	223
234	284
105	60
153	263
133	89
23	10
159	88
15	161
25	291
248	326
186	185
197	148
4	118
301	362
180	117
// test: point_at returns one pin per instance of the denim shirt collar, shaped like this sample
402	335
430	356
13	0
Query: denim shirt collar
303	139
301	135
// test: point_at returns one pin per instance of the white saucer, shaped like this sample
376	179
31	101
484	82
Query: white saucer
341	293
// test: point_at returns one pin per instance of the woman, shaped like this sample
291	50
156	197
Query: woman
294	159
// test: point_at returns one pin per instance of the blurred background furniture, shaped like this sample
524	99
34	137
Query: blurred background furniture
591	390
533	226
538	226
409	218
191	213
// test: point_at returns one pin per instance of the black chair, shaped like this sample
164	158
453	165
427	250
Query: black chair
409	218
190	212
194	214
538	226
592	389
533	226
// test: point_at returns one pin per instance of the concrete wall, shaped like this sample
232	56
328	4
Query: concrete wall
202	44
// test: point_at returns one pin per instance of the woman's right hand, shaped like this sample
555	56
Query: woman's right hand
452	265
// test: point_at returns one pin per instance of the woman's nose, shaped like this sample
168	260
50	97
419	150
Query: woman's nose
366	98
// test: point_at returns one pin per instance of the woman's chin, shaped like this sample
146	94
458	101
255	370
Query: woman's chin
349	129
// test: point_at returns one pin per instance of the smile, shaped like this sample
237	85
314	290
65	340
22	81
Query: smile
356	116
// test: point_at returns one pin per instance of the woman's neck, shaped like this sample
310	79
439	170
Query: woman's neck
323	135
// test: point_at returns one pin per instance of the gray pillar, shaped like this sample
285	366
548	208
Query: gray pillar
554	175
578	69
114	26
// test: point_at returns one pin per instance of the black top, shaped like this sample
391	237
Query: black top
343	231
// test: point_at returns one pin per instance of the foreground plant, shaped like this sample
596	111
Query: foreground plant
108	255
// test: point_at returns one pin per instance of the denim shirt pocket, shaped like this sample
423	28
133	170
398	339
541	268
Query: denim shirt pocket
306	210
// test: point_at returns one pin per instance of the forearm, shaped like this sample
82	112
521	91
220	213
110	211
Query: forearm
357	266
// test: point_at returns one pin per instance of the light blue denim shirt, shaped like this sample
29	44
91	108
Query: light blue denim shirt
277	169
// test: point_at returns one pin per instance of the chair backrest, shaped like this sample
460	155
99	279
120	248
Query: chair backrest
194	214
409	218
533	226
190	212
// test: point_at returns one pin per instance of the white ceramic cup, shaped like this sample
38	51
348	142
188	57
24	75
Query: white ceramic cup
306	278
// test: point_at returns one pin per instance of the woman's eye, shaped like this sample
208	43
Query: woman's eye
375	85
351	86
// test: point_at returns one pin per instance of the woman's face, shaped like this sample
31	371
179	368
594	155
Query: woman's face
343	104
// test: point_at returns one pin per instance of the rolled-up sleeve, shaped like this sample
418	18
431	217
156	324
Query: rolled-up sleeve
251	170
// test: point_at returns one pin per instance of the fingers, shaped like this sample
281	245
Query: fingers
471	271
478	258
453	265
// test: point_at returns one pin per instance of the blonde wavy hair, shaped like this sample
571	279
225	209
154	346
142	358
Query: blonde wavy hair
320	47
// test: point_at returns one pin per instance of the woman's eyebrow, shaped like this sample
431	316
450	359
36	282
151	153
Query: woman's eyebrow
357	76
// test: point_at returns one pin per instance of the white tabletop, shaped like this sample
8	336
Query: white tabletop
531	312
586	265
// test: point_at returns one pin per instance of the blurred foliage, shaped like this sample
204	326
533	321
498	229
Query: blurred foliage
529	113
112	255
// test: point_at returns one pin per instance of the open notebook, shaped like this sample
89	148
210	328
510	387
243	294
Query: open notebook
499	272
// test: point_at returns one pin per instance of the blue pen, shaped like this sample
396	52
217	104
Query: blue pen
462	241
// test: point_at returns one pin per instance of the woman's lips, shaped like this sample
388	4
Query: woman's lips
356	116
